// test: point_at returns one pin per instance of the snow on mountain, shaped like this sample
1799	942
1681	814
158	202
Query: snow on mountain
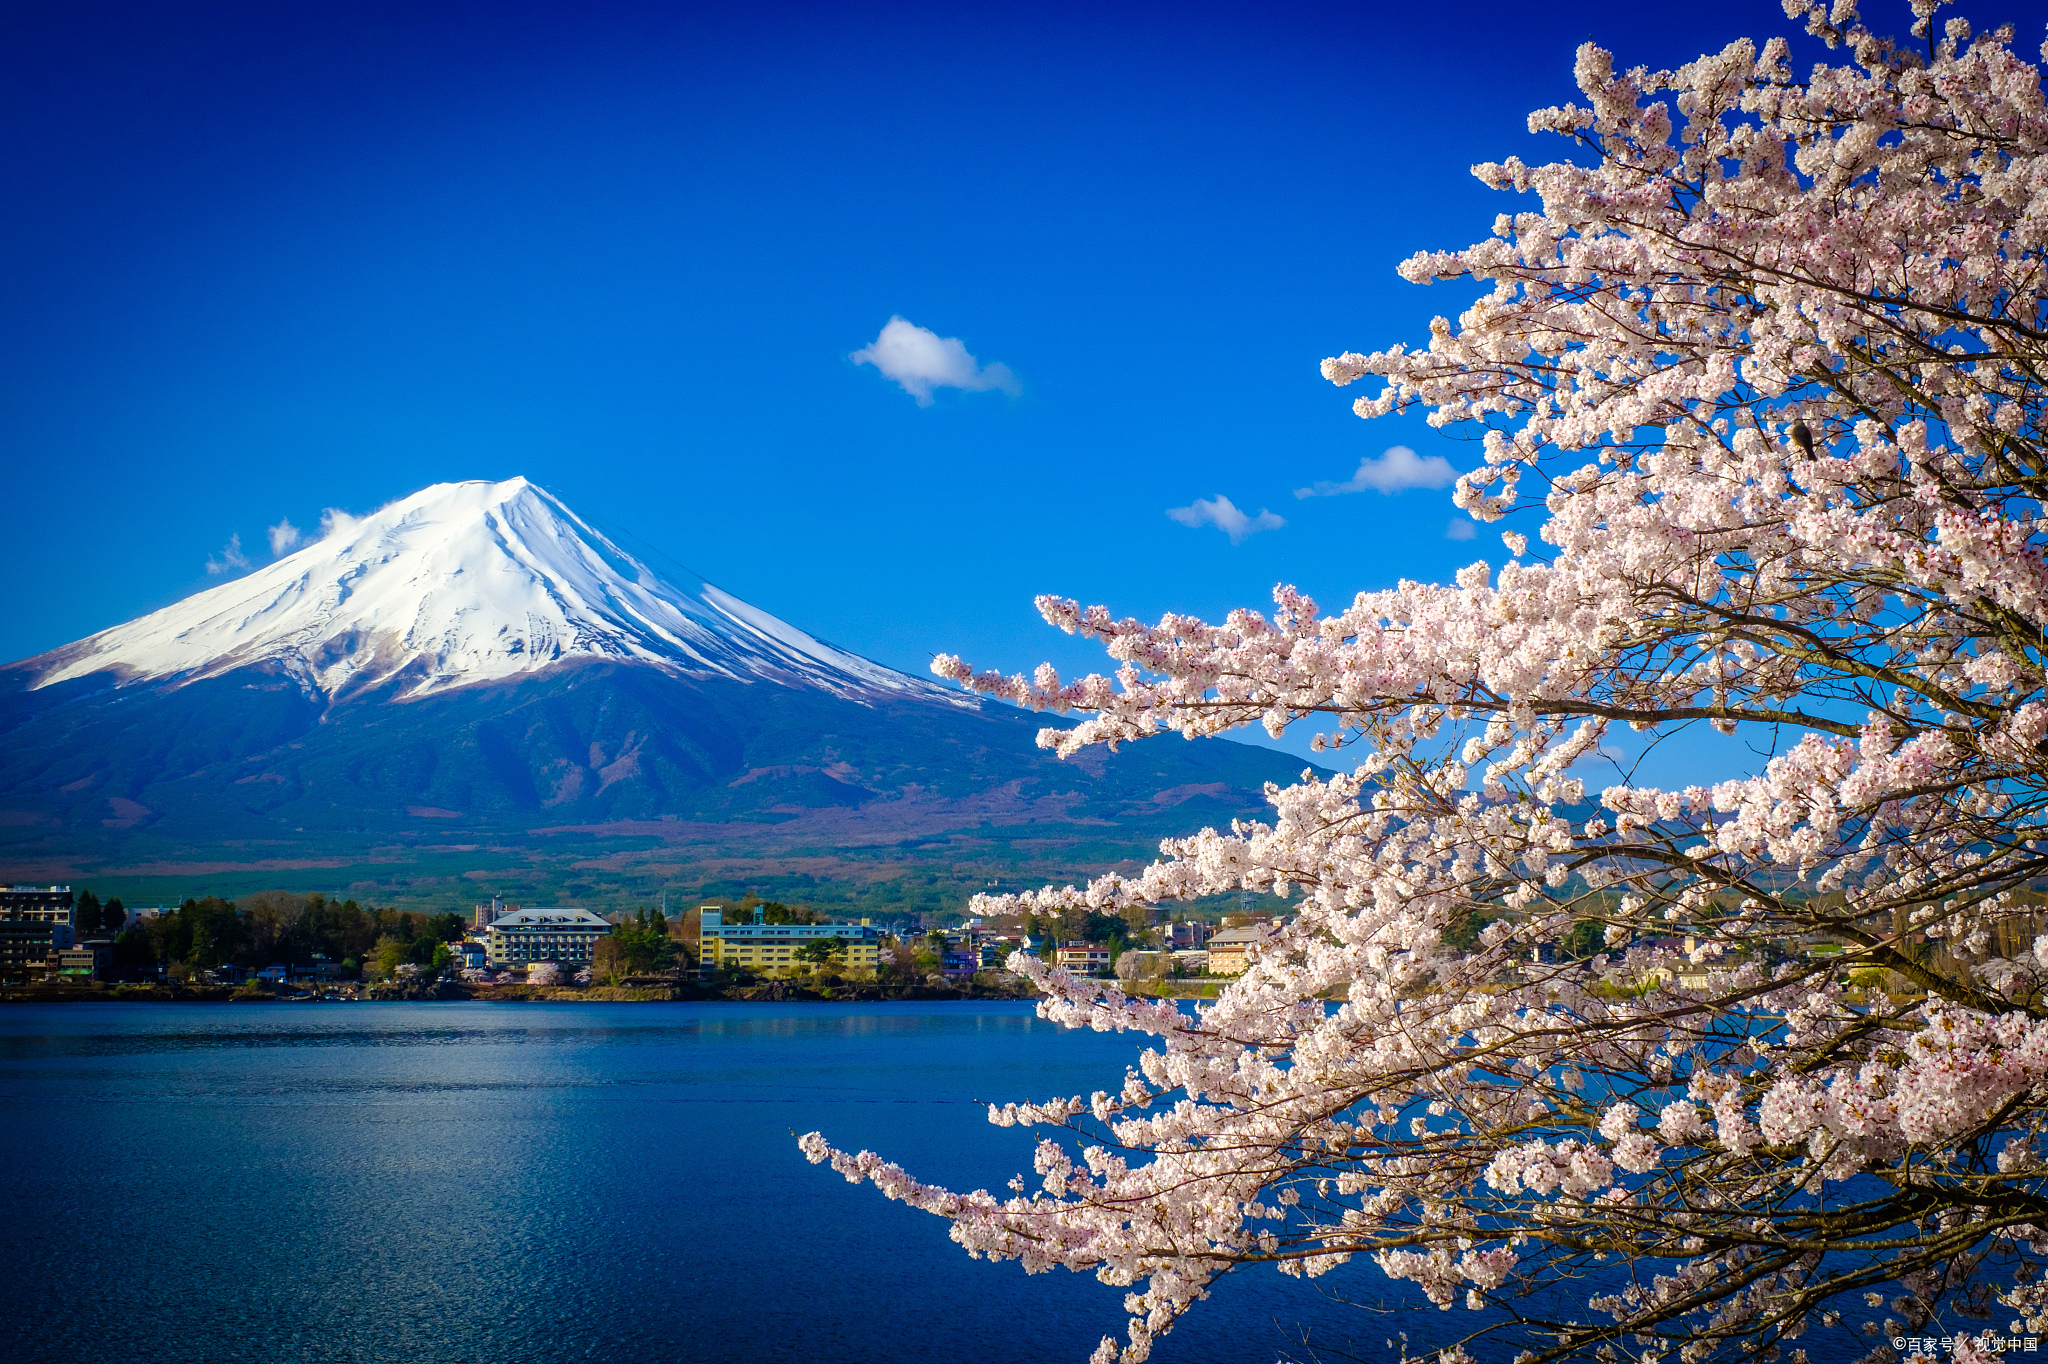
463	583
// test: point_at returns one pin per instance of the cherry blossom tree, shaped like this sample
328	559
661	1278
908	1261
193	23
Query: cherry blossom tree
1773	351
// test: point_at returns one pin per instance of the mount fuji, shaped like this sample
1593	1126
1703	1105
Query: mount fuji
458	584
472	690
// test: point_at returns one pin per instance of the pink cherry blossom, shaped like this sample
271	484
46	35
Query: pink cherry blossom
1761	372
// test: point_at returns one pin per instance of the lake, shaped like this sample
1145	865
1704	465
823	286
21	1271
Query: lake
561	1182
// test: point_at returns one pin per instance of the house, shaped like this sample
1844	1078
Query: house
1081	958
276	973
82	961
762	946
473	955
1187	935
1231	951
558	933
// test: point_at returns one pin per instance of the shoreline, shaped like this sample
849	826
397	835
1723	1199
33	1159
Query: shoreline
679	992
683	993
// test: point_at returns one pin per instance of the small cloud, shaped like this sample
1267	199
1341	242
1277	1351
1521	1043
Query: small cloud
1398	470
1222	514
923	360
231	559
334	521
284	538
1461	529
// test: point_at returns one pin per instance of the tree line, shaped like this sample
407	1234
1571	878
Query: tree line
273	926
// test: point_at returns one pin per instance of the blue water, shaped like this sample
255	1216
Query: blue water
497	1182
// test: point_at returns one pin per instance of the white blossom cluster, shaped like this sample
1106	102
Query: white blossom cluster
1774	349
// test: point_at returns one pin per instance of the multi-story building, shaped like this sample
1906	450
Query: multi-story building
559	933
1080	957
35	924
24	948
486	915
50	905
762	946
1187	935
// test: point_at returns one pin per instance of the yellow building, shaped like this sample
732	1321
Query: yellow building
761	946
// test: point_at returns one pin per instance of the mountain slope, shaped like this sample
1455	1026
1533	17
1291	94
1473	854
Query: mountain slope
374	715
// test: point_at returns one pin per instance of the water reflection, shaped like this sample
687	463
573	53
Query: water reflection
378	1183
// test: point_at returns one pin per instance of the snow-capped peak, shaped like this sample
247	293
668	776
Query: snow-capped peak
457	584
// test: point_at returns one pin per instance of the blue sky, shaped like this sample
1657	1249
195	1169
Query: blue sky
268	259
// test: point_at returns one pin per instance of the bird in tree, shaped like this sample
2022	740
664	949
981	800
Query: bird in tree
1770	341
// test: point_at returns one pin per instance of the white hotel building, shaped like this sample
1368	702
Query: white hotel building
561	934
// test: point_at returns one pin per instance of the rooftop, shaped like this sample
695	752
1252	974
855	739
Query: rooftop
551	916
1251	934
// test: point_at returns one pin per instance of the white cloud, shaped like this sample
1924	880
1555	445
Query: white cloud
1460	529
284	538
231	559
923	360
1222	514
334	521
1398	470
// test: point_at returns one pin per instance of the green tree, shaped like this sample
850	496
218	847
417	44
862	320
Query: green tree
85	914
1587	937
1137	923
205	933
1463	931
134	956
822	952
642	944
387	957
